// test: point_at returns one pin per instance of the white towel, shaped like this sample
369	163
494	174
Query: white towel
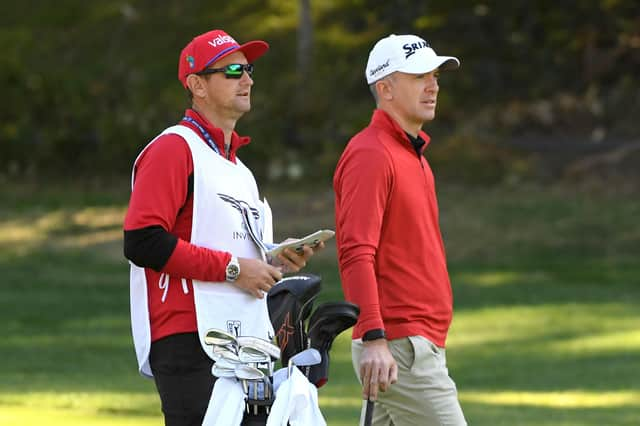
296	402
226	406
279	377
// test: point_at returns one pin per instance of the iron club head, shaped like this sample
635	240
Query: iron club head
216	337
245	372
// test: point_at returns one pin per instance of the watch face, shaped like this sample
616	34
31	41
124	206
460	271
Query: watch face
232	271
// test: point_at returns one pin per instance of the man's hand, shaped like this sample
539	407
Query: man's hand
256	276
293	261
378	369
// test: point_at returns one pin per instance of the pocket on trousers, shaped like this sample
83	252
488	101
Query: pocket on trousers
426	354
403	352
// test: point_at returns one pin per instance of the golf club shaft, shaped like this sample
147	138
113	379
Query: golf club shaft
366	415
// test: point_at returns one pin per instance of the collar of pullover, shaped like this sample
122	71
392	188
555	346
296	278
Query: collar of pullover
383	120
217	134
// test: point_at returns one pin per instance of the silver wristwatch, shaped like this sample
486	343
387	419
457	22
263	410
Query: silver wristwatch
233	269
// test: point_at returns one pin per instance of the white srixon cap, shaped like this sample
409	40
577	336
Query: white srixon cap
405	53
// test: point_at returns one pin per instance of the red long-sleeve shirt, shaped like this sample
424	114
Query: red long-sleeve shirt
158	229
390	250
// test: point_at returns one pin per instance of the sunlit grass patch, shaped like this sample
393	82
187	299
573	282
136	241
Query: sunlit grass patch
92	228
351	400
499	278
98	217
553	327
566	399
89	239
601	343
87	402
33	225
31	416
64	228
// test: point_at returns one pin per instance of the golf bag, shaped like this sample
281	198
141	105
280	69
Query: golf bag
326	322
290	304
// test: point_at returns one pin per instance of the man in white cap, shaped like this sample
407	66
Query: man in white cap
390	250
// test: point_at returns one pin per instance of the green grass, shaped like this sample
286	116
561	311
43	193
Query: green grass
546	328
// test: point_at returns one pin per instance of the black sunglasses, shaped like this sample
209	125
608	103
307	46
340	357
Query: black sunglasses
230	71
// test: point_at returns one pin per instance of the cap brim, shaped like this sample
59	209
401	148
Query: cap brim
252	50
436	62
449	63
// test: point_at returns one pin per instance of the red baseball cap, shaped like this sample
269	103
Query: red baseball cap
212	46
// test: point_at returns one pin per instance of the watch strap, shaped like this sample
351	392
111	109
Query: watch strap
375	334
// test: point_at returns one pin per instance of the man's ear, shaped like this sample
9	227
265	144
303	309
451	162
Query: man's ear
196	86
383	87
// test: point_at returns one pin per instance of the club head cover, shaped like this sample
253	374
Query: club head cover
290	302
326	322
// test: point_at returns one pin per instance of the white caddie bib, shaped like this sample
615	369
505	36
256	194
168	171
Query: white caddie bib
221	190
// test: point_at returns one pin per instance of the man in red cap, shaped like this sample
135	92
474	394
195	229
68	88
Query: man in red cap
194	231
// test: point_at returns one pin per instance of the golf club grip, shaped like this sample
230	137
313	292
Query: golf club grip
366	415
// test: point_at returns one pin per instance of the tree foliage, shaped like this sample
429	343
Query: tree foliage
86	84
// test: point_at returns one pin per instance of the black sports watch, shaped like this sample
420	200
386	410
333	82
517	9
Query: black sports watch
375	334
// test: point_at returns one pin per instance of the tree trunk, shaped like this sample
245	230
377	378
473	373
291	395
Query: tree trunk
304	59
305	41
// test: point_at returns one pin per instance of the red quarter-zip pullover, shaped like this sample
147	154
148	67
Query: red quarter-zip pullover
390	250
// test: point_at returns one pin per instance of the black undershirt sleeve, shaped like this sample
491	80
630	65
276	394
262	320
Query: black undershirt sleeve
149	247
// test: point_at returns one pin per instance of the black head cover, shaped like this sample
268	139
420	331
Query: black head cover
329	320
290	302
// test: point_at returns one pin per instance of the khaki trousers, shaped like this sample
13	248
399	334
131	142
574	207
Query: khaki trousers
424	394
